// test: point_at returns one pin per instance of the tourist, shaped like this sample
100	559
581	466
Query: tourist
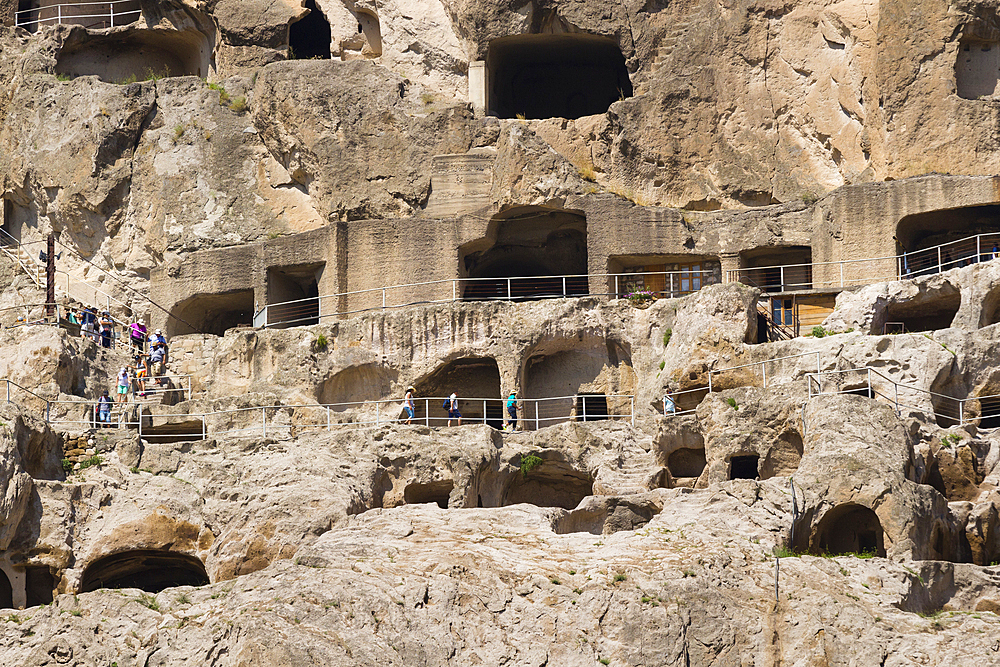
453	412
107	329
137	334
669	407
408	405
124	382
141	373
104	409
512	410
157	359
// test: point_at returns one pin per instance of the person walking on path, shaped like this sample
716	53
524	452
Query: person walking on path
408	405
137	334
107	330
104	409
141	373
453	412
158	356
512	410
669	407
124	381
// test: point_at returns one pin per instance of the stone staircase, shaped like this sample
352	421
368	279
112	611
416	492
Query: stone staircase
28	264
639	472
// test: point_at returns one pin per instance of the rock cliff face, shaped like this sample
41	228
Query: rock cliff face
675	492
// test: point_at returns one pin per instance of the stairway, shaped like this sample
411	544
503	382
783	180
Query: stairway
27	263
639	472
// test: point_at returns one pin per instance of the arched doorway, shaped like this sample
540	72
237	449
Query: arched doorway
945	239
145	569
476	381
550	76
6	592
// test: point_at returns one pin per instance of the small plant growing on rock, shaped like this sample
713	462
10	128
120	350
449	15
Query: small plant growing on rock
732	403
94	460
67	465
818	332
620	577
239	105
319	345
178	132
666	336
605	661
427	98
148	601
529	463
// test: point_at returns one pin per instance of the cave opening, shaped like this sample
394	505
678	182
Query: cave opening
309	37
550	484
212	313
524	250
976	68
850	529
476	382
743	467
294	293
146	569
939	240
989	412
686	465
930	314
437	492
39	585
6	592
552	76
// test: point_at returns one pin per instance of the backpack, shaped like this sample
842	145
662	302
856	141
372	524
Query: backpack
447	404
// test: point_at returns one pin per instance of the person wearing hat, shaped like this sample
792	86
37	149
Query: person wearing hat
158	355
512	410
408	405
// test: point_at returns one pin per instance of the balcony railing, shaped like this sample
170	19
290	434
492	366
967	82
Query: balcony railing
92	15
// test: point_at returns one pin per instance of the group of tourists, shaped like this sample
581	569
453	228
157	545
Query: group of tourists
450	404
98	327
148	367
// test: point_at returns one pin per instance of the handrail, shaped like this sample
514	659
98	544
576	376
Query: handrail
566	286
69	16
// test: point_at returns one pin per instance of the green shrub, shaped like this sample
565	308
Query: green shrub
732	403
662	364
239	105
529	463
620	577
320	344
94	460
67	465
818	332
666	336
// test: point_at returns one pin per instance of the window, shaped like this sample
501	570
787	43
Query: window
782	312
690	277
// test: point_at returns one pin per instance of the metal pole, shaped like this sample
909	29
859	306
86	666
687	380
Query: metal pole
939	259
484	410
536	415
617	292
979	250
583	407
263	422
781	270
383	298
454	290
204	427
671	284
508	289
328	418
632	409
763	371
378	412
427	412
871	394
961	413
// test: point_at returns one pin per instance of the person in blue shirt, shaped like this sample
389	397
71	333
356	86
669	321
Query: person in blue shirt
104	409
512	410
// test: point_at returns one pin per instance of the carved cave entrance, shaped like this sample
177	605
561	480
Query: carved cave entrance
850	529
550	484
138	56
309	37
432	492
930	314
298	284
39	584
549	76
367	43
148	570
6	592
523	244
212	313
918	235
777	269
470	379
744	467
686	465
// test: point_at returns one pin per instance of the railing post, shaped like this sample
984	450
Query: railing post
763	372
327	418
383	298
979	250
427	412
564	286
378	412
871	394
204	426
263	422
112	10
536	415
484	410
583	407
671	276
781	276
939	259
961	413
631	409
508	289
454	290
58	13
617	290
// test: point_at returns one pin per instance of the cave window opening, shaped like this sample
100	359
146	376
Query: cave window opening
437	493
777	269
850	529
551	484
148	570
525	255
294	293
989	410
943	239
592	407
39	585
309	37
27	15
6	592
8	237
552	76
743	467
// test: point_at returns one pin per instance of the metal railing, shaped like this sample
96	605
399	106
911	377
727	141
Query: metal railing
315	309
928	261
93	15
